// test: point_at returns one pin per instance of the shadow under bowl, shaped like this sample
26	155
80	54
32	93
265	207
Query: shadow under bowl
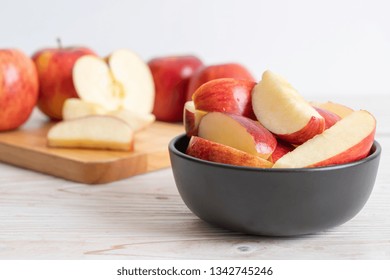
273	202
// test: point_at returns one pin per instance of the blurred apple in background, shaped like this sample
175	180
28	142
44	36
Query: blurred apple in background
18	88
171	77
54	66
212	72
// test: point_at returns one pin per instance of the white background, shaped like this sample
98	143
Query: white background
324	48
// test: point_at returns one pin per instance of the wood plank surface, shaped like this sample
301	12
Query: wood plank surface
143	217
27	147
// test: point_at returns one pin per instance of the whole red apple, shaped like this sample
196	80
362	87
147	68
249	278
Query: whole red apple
171	76
54	66
18	88
218	71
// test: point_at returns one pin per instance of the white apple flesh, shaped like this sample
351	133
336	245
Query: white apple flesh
283	111
76	108
136	81
123	80
348	140
95	132
238	132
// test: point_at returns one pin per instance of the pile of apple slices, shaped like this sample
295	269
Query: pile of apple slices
116	100
269	124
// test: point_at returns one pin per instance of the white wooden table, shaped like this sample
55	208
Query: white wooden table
43	217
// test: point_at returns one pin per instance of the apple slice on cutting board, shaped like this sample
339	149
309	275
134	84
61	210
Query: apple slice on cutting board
283	111
212	151
122	80
350	139
76	108
238	132
95	132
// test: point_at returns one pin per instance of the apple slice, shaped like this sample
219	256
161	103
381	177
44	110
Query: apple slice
281	149
191	118
226	95
125	82
283	111
212	151
238	132
75	108
329	117
348	140
95	132
338	109
135	120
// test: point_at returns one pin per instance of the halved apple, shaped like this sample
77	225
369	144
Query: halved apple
283	111
336	108
76	108
226	95
212	151
238	132
191	118
329	117
350	139
122	80
96	132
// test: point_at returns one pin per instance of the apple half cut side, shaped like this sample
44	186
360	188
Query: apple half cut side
123	80
191	118
238	132
350	139
76	108
336	108
215	152
283	111
94	83
136	81
95	132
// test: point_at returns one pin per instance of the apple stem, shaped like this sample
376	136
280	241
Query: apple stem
59	43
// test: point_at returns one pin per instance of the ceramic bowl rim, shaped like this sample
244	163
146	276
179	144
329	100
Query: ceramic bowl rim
375	152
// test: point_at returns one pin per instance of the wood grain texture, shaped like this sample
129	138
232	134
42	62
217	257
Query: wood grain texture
143	217
27	147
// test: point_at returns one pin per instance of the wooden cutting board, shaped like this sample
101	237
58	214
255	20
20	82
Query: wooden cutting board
26	147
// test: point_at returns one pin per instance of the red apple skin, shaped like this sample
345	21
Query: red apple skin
54	66
357	152
218	71
18	88
313	127
171	77
226	95
329	117
189	123
281	149
215	152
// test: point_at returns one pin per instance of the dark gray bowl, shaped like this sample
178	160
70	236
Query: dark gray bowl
274	202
